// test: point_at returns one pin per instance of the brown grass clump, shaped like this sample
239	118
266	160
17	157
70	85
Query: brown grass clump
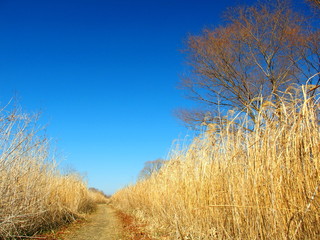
239	180
34	195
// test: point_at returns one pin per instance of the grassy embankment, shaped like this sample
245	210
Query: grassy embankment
34	195
233	183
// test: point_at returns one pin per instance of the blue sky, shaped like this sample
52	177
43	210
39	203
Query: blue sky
104	74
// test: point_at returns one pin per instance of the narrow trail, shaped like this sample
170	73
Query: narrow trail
101	225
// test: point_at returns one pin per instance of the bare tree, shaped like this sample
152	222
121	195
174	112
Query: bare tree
314	3
150	167
259	53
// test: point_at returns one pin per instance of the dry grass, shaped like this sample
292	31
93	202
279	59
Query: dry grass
98	196
233	183
34	195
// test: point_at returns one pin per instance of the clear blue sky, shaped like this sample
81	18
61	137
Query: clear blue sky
104	74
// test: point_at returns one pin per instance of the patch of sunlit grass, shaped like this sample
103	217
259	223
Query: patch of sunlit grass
34	195
239	180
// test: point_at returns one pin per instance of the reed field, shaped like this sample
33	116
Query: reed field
34	195
240	179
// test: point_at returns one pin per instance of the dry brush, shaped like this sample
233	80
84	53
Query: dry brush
239	179
34	195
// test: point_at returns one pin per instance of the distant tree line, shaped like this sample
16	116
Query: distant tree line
151	167
99	191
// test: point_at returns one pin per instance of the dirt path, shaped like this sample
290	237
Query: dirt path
101	225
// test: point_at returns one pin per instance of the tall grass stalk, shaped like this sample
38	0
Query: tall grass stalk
239	180
34	195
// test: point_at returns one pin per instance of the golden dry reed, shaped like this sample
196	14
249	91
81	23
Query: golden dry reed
239	179
34	195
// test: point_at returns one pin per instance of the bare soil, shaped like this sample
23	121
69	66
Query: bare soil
101	225
105	223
